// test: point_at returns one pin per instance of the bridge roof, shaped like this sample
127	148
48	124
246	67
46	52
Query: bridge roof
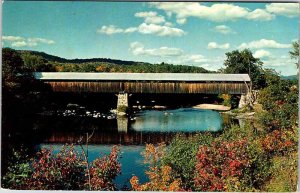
187	77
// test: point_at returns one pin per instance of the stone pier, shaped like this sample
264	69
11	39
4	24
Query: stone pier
122	99
122	124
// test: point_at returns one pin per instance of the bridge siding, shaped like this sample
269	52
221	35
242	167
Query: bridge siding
151	87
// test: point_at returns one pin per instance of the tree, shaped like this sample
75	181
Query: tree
239	62
12	65
295	52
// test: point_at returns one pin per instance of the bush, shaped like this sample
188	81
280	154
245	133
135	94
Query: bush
17	172
181	156
160	176
104	170
64	171
221	166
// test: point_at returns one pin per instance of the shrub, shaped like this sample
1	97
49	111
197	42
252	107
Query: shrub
104	170
17	172
160	176
181	156
220	167
64	171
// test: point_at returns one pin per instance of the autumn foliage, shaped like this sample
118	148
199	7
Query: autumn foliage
160	176
220	166
67	170
105	169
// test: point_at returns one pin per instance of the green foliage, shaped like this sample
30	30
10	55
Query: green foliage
295	52
181	156
239	62
12	66
160	175
34	63
17	172
284	174
279	101
226	99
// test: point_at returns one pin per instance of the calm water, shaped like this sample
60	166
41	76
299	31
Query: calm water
150	126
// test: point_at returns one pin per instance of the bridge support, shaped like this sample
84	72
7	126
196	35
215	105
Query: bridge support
122	100
122	124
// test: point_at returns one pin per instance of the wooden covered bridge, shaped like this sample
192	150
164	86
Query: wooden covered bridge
123	83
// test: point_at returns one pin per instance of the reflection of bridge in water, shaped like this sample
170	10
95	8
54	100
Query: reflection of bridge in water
155	83
118	131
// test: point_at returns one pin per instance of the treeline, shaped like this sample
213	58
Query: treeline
40	61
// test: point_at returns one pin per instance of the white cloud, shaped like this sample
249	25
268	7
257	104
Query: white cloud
260	14
109	30
151	17
17	41
139	49
130	30
285	9
263	43
262	54
35	41
214	45
160	30
18	44
223	29
144	28
279	62
12	38
218	12
181	20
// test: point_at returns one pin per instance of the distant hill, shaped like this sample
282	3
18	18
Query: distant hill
53	63
292	77
53	58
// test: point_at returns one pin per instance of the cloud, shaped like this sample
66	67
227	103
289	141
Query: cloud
260	14
17	41
109	30
223	29
263	43
214	45
151	17
278	62
262	54
160	30
218	12
130	30
139	49
144	28
284	9
18	44
12	38
35	41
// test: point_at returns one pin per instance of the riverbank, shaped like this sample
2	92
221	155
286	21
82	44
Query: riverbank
212	107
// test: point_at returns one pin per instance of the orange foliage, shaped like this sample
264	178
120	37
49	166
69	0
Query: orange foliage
160	176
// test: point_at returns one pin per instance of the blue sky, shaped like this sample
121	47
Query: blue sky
196	34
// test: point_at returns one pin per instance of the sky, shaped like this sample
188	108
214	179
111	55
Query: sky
188	33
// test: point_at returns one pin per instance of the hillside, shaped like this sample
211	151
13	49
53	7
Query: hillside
292	77
41	61
53	58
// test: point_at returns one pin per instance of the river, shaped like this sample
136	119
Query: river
147	126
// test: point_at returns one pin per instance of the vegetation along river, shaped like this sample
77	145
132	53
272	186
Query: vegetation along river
148	126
